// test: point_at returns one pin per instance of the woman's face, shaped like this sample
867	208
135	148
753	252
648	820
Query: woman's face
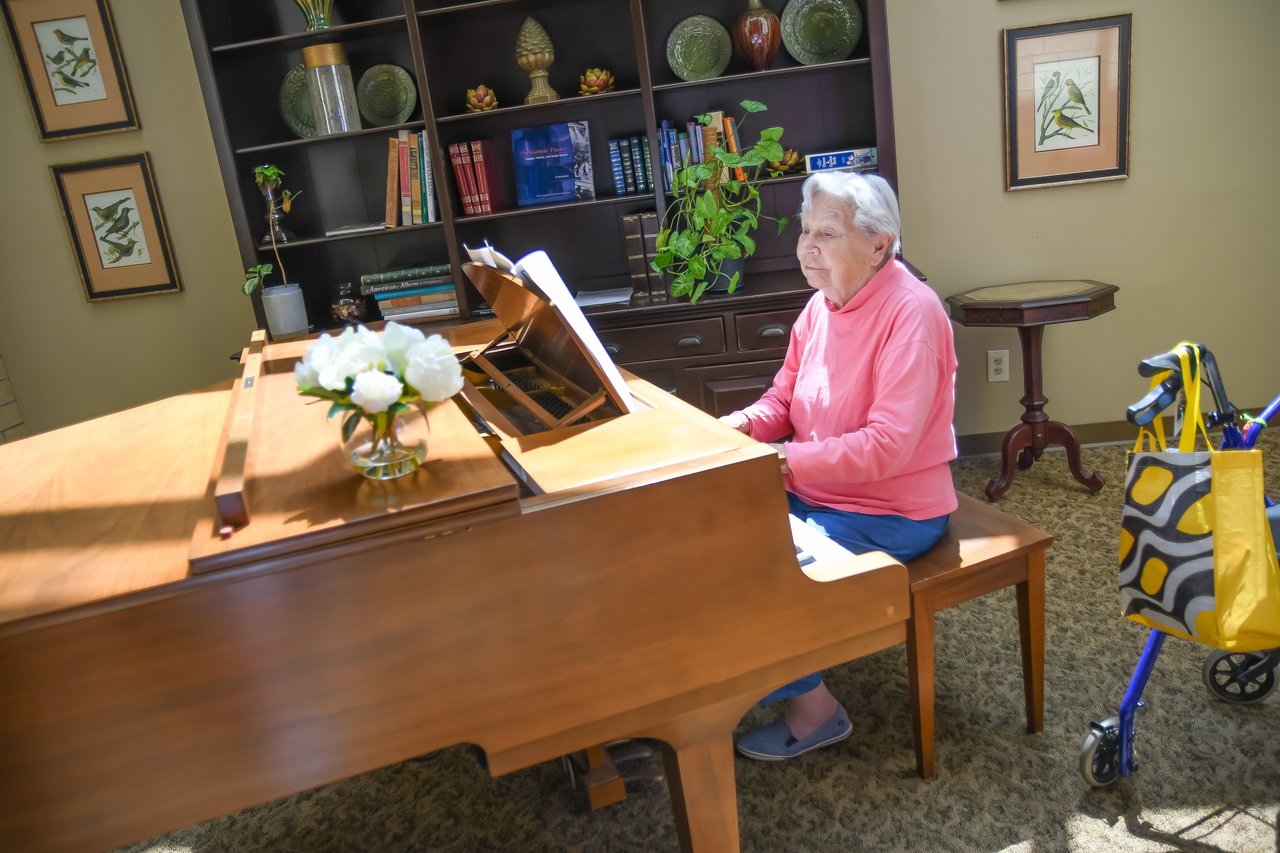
837	257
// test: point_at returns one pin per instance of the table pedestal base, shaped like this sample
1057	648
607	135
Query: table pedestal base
1024	443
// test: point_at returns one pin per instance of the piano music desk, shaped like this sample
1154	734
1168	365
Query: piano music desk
983	550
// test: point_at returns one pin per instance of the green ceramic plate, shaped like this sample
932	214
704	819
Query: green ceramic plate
699	48
386	95
295	103
815	31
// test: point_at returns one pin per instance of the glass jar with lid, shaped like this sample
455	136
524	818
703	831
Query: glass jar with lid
333	96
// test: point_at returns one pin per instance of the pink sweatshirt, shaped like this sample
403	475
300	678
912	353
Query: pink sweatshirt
868	391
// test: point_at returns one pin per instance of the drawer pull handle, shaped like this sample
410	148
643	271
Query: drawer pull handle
689	341
612	349
773	330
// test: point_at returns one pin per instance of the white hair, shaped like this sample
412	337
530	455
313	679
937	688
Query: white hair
873	207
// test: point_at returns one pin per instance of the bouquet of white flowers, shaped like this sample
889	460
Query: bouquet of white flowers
375	378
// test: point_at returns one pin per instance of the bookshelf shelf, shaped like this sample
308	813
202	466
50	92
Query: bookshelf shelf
245	48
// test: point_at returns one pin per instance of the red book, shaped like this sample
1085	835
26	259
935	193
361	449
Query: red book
486	175
462	172
406	208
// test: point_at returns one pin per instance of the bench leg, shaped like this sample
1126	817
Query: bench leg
920	666
1030	595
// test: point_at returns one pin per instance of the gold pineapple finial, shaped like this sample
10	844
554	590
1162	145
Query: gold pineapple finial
534	52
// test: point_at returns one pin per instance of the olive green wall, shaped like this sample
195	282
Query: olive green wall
1187	238
1190	238
67	359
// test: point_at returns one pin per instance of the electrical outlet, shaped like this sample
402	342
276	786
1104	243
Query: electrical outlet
997	365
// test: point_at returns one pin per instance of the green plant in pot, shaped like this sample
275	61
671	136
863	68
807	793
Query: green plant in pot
283	303
714	209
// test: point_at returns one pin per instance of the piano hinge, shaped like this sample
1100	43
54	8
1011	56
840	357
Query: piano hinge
449	532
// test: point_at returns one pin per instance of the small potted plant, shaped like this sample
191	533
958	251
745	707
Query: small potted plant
706	232
283	303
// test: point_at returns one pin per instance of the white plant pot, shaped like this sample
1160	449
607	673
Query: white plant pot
286	309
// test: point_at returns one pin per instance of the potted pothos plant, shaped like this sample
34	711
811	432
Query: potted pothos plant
715	207
283	303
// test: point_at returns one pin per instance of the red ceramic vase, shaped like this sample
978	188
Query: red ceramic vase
758	35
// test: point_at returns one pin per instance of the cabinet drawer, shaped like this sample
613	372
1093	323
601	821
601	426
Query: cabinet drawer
665	340
767	330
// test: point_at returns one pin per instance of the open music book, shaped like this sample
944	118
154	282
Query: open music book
536	271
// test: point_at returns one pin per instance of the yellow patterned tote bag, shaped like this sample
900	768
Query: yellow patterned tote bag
1196	554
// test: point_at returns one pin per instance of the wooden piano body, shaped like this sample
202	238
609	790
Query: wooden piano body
631	576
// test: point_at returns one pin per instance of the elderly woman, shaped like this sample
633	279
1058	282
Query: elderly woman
860	412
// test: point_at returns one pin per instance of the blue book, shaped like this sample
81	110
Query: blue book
413	291
615	163
637	160
552	163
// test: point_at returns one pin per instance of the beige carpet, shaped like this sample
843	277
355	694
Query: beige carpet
1209	777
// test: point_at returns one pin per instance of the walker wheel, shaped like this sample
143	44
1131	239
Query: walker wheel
1100	755
1226	675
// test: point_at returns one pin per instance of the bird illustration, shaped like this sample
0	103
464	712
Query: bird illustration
70	83
119	225
68	39
106	214
1076	96
83	60
1049	90
58	59
116	250
1068	124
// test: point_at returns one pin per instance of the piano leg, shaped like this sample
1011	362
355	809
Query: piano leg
703	793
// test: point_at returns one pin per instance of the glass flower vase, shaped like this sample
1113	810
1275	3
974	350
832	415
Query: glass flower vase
397	450
316	12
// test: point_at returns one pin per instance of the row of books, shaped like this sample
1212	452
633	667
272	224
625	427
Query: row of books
411	186
475	172
640	231
413	293
690	145
629	159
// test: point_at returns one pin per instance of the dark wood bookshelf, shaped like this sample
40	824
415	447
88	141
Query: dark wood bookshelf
244	48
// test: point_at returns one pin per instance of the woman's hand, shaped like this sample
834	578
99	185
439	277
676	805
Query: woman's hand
737	420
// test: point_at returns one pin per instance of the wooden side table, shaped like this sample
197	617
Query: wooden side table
1030	306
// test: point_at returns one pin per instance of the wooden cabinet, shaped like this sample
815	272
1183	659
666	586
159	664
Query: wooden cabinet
245	48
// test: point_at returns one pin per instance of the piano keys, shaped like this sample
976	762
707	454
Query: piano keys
163	675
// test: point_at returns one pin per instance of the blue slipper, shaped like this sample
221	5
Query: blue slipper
775	743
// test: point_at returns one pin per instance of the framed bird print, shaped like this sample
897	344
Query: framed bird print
1066	115
117	227
71	66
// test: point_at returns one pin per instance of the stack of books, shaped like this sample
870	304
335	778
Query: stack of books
411	185
413	293
679	147
629	159
474	170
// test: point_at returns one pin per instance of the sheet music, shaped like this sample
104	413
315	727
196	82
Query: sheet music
536	268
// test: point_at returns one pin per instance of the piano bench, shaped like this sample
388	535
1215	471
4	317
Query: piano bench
983	550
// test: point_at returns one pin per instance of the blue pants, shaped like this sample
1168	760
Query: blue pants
899	537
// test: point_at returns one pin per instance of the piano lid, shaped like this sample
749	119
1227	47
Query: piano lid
542	320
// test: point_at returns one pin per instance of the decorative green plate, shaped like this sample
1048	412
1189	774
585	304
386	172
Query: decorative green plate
815	31
386	95
295	103
699	48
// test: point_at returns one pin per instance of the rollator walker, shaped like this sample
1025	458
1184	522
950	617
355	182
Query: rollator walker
1232	676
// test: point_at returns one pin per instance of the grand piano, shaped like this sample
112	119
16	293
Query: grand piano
583	558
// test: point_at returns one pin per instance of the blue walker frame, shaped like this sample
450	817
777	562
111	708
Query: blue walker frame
1142	413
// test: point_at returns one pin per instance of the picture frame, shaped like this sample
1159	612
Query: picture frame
1066	116
72	67
117	227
